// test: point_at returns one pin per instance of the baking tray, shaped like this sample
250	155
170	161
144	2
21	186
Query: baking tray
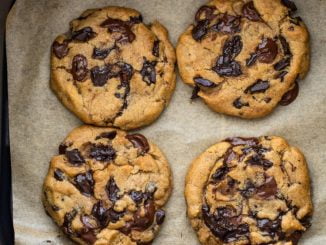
6	223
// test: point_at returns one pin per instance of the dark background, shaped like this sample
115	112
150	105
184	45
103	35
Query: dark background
6	226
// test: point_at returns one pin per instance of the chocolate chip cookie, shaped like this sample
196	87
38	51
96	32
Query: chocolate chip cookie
107	187
245	57
113	70
249	191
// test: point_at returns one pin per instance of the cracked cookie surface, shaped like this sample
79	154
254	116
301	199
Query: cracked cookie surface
107	187
113	70
245	57
249	191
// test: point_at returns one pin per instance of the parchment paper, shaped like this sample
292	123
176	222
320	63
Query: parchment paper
38	121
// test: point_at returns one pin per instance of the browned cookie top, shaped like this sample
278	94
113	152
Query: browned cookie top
113	70
245	57
107	187
249	191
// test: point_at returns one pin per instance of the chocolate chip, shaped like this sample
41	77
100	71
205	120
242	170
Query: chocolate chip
79	67
239	104
60	49
249	190
250	12
290	96
205	12
160	216
266	52
114	216
228	24
136	196
156	48
142	222
107	135
270	226
62	148
295	237
285	46
112	190
88	236
139	141
68	218
235	141
135	20
148	72
85	183
259	86
225	224
259	160
58	175
289	4
119	26
229	156
88	221
200	30
281	75
220	173
195	92
75	157
100	213
83	35
100	75
226	65
268	189
101	54
55	208
282	64
103	153
204	82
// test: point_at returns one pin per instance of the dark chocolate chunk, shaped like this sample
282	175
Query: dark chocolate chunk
103	153
259	160
295	237
156	48
136	196
228	24
225	224
204	82
268	189
272	227
58	175
88	221
250	12
160	216
100	75
229	156
290	5
88	236
195	92
119	26
142	222
200	30
68	218
79	67
239	104
259	86
281	75
75	157
266	52
235	141
205	12
249	190
220	173
83	35
282	64
148	72
114	216
225	64
55	208
107	135
285	46
62	148
101	54
139	141
60	49
112	190
100	213
290	96
85	183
